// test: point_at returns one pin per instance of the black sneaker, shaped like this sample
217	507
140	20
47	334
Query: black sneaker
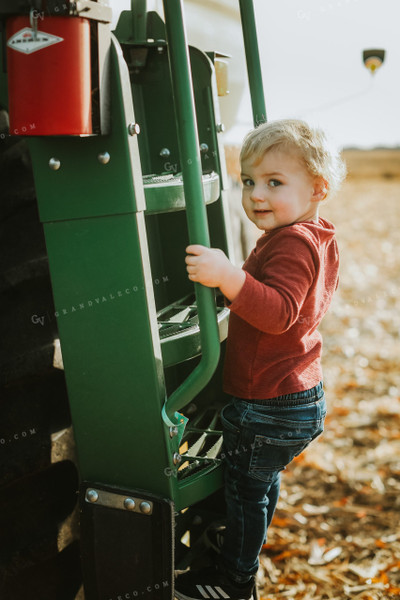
212	584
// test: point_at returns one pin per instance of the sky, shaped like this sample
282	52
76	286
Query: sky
311	57
312	68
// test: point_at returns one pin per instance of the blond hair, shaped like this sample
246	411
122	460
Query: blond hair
319	157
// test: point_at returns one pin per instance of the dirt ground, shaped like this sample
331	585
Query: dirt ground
336	531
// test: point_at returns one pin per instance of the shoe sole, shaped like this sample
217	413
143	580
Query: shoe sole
180	596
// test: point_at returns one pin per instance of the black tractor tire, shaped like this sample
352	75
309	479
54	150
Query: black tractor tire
39	549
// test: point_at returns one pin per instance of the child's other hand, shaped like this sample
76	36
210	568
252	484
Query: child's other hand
211	267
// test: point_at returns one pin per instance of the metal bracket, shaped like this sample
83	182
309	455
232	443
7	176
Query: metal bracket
126	555
92	10
119	501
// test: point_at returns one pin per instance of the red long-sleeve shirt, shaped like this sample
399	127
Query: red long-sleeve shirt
273	345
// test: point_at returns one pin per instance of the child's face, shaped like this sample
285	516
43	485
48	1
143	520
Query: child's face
278	190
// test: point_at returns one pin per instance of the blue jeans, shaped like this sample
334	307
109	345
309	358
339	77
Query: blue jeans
261	437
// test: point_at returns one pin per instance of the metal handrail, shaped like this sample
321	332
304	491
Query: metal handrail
253	61
195	207
139	19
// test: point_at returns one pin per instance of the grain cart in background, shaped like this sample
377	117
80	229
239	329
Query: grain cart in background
123	132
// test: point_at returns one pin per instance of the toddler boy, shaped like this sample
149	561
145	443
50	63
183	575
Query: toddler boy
272	365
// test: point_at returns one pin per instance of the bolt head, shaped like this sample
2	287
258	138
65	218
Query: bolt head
220	128
145	508
133	128
176	458
129	504
173	431
165	152
54	164
92	496
104	158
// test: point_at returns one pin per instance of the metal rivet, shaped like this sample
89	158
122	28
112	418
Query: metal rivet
133	128
165	153
92	495
129	504
54	164
145	508
160	49
203	148
176	458
104	158
220	127
173	431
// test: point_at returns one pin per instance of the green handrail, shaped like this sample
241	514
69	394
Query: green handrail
139	19
253	61
195	207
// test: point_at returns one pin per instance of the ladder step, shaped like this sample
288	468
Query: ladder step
180	332
164	193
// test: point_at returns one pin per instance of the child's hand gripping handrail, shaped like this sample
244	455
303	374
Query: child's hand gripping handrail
195	207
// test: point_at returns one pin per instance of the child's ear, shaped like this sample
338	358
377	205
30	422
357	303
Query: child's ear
320	189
